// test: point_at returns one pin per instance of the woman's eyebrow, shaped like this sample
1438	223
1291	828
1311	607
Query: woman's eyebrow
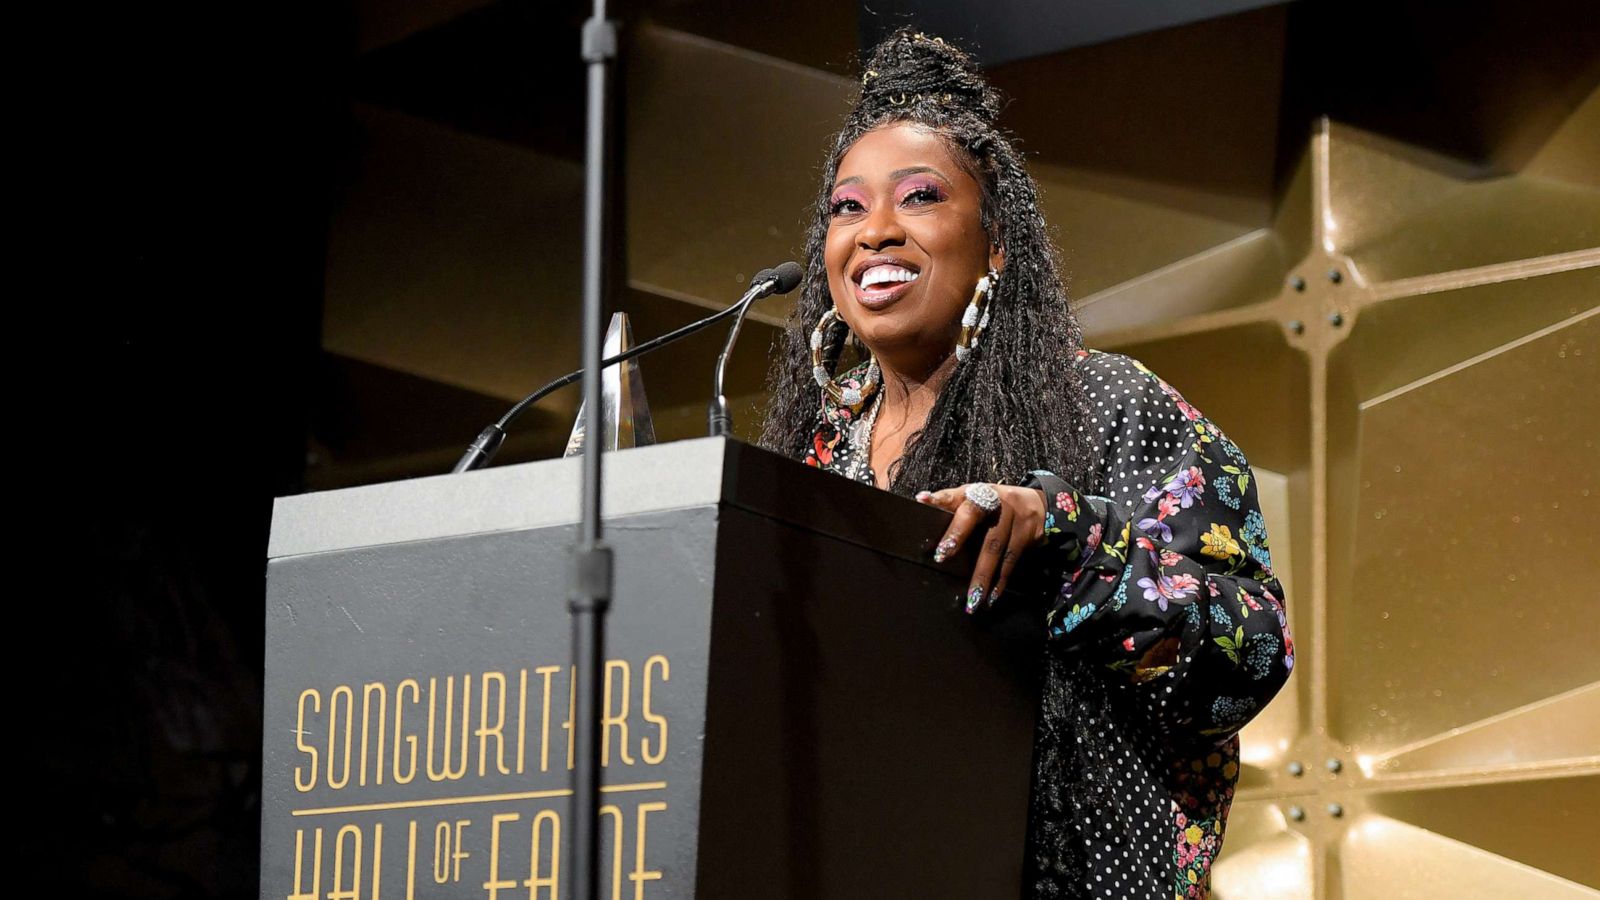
896	175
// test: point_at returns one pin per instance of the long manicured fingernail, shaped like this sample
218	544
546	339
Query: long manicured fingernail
994	595
924	496
974	597
945	548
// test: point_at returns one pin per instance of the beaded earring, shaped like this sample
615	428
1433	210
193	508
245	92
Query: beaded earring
846	396
976	317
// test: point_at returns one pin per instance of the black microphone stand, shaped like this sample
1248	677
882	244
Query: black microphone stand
592	562
719	421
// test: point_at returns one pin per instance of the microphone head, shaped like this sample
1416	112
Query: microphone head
788	277
763	275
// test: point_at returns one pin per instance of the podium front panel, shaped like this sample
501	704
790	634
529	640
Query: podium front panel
419	708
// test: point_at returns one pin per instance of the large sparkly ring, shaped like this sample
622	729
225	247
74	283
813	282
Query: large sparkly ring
984	496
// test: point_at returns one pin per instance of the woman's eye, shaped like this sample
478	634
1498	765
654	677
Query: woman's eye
922	196
845	207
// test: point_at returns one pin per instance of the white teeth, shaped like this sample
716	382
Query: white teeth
883	274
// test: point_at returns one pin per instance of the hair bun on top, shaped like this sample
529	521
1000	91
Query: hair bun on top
911	68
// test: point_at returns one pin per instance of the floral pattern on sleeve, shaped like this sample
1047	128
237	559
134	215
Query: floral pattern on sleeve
1175	591
1170	590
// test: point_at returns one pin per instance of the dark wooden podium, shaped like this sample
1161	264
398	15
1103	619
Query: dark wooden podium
796	704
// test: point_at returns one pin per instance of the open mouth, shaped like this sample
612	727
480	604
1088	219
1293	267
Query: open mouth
879	280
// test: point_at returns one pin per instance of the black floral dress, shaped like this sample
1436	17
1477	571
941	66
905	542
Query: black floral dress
1167	635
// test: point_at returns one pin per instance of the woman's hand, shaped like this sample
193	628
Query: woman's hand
1009	531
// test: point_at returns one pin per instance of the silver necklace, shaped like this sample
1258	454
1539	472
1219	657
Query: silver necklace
861	441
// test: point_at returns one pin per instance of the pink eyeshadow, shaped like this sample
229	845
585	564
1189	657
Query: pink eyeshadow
917	184
848	194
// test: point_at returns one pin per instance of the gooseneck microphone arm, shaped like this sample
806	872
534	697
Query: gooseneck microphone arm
488	442
719	421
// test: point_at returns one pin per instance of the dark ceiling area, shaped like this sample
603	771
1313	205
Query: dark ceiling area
1009	32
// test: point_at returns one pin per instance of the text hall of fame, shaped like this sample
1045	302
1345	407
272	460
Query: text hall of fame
504	741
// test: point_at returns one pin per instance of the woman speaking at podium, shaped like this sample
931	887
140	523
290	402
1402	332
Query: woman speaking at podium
929	267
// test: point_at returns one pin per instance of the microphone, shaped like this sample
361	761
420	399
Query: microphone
719	421
764	284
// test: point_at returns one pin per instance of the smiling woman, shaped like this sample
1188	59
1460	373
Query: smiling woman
971	390
904	213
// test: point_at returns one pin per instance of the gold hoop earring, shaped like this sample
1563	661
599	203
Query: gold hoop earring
846	396
976	317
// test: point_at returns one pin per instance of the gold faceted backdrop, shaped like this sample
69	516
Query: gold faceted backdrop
1364	240
1432	363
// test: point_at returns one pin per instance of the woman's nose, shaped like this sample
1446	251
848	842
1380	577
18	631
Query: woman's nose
881	229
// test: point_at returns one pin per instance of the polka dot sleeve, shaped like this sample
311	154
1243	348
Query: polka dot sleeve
1166	577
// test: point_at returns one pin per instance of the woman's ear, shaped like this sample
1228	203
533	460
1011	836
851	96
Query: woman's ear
997	258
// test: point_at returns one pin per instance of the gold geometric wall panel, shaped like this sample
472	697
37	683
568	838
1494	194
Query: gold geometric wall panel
1271	863
1472	530
707	210
1424	384
1385	859
1403	212
1113	226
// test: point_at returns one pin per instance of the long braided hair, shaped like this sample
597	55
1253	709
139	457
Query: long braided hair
1012	406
